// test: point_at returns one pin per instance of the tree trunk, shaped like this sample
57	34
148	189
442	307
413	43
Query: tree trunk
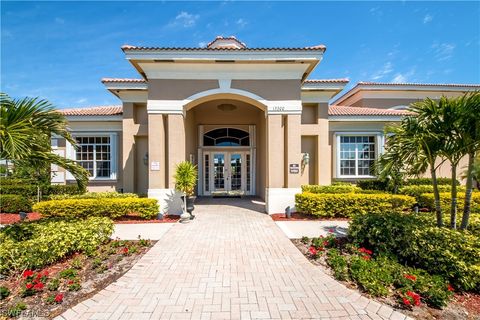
436	193
468	193
453	208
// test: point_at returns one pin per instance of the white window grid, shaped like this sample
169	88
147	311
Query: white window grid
357	154
94	153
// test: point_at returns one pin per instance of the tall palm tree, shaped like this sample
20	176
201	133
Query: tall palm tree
26	127
469	127
412	146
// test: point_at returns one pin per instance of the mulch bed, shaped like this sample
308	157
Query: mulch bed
9	218
169	218
93	274
463	306
297	216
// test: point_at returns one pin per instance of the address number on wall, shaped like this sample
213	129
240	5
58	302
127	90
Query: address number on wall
278	108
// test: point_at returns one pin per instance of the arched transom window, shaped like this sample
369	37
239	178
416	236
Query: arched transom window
227	137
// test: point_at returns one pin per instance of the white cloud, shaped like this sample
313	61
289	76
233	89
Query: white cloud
81	100
186	19
428	18
241	23
375	11
443	51
385	70
202	44
404	77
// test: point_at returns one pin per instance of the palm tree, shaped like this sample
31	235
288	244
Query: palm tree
469	127
414	147
26	127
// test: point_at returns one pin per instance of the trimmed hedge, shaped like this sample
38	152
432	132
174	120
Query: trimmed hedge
373	184
93	195
417	190
103	207
428	181
12	203
349	205
30	190
39	243
428	200
335	188
417	242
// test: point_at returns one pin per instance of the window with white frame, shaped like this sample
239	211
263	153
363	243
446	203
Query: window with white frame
94	153
356	155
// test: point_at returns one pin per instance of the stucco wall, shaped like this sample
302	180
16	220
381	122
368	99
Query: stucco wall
270	89
161	89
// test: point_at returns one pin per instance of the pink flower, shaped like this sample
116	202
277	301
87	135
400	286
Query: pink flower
59	298
27	273
410	277
39	286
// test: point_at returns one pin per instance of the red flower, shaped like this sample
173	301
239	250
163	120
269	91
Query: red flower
125	250
366	251
27	273
70	282
406	301
46	274
325	243
415	297
29	286
39	286
450	288
331	230
59	298
410	277
313	251
366	258
321	249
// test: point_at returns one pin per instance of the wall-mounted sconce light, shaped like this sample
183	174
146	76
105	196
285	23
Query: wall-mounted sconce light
145	159
306	158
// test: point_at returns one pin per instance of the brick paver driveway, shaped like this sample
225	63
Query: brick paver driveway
232	262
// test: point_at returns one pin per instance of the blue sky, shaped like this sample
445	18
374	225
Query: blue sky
61	50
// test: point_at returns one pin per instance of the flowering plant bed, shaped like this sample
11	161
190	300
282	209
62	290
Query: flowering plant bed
413	291
52	290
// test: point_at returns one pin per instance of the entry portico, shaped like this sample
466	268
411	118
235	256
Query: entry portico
234	111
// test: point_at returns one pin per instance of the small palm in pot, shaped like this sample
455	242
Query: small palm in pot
185	182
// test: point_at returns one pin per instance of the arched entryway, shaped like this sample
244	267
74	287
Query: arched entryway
227	142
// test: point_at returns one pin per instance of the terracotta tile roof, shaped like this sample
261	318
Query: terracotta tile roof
420	84
231	38
342	80
93	111
123	80
126	47
357	111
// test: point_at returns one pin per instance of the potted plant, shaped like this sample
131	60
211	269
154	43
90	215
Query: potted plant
185	181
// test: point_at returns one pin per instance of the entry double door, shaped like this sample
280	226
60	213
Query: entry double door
229	172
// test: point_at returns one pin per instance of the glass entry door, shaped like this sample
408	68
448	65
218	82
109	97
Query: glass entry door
227	172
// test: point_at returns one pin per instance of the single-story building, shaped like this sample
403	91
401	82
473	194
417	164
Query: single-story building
249	118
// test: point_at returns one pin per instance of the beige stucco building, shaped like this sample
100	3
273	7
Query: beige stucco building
249	118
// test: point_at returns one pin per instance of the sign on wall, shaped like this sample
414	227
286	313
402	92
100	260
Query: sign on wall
155	166
294	168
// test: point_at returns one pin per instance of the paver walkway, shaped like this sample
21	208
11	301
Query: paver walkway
232	262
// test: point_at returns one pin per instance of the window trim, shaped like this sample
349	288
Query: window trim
113	153
379	148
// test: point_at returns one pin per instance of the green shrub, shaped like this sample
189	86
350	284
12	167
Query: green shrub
417	242
428	181
30	190
107	207
417	190
373	184
49	240
12	203
336	188
375	276
428	200
349	205
93	195
338	263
